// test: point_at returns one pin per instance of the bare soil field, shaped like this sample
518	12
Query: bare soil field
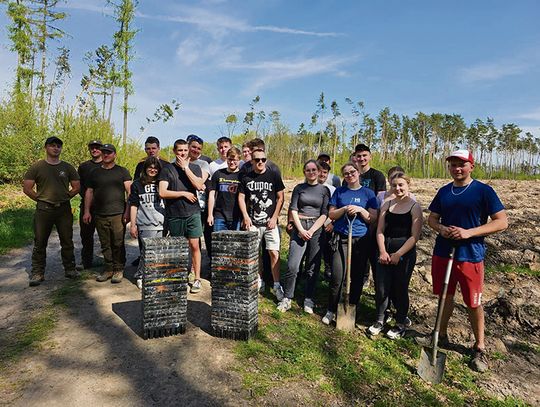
96	356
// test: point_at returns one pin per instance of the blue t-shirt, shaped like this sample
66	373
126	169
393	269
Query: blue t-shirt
465	208
344	196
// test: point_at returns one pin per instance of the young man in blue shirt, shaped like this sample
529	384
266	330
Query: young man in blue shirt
459	214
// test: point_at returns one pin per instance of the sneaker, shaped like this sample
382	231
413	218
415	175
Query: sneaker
309	305
36	279
71	273
191	277
328	317
397	332
139	283
284	305
375	329
427	341
79	267
278	291
479	362
261	285
117	277
196	287
104	276
407	323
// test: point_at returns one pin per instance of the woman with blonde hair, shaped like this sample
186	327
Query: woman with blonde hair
398	230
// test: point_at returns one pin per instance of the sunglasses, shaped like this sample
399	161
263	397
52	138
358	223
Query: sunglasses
349	174
260	160
107	152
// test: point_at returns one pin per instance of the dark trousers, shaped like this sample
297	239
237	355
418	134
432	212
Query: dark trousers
87	239
207	233
45	217
393	285
111	231
372	257
359	258
311	251
328	253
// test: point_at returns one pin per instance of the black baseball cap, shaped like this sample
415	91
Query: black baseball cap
323	155
108	147
53	140
95	143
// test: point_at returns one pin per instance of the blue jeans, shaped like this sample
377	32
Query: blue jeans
221	224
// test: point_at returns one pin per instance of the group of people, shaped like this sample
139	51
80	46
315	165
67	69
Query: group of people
194	196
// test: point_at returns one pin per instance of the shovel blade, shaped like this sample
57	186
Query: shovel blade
346	318
429	371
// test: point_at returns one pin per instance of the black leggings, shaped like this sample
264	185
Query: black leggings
392	283
359	258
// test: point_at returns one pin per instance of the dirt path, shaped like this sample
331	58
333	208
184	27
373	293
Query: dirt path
96	355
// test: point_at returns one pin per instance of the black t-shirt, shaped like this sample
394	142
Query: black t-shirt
179	181
139	167
109	190
84	170
225	184
374	180
261	194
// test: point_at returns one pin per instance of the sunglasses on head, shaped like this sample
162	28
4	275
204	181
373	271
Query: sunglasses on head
260	160
195	138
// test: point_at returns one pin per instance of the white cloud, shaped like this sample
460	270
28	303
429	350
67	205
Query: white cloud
218	25
197	49
532	115
272	73
492	71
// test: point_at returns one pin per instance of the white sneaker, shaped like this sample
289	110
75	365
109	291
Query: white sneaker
139	283
328	318
278	291
284	305
308	305
375	329
261	285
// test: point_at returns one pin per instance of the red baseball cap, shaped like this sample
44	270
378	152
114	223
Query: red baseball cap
463	154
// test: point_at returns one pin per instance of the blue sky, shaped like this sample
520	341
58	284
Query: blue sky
474	58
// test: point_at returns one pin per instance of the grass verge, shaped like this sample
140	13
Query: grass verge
16	218
296	349
508	268
294	353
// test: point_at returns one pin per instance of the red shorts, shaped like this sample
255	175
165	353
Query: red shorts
470	277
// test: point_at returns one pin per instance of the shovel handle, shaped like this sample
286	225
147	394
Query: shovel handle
440	308
347	290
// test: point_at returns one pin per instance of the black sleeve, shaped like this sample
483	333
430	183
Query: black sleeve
213	186
133	198
138	170
380	182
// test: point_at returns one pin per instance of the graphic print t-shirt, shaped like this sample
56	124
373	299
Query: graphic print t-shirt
151	209
225	184
261	195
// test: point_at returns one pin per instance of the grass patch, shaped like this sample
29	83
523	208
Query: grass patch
509	268
38	329
16	218
294	349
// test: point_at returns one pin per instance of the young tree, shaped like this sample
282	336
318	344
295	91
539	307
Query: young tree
124	11
21	37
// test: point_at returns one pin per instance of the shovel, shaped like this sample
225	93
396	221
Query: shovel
346	315
432	362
